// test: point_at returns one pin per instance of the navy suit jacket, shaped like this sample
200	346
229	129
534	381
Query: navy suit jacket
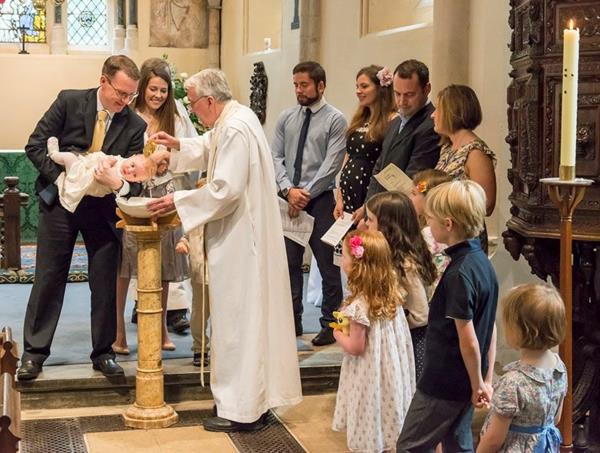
415	148
71	119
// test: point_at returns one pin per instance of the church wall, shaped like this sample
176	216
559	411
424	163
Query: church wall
489	67
238	64
31	82
344	51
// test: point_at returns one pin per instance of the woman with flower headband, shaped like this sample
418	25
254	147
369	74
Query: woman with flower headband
377	379
376	108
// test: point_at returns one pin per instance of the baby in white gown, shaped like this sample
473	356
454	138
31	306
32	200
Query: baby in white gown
78	178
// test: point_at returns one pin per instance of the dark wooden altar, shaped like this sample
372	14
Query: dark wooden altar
534	109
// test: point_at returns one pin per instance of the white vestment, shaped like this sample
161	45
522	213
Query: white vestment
254	362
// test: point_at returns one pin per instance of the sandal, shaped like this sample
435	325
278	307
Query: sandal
120	350
169	346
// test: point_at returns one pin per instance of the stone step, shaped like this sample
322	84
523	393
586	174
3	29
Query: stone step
68	386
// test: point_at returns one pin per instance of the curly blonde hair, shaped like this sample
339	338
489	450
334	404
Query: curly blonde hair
372	276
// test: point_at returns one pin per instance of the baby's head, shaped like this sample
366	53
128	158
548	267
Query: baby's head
424	181
138	168
533	317
455	211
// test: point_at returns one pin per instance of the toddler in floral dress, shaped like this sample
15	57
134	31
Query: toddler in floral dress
377	379
528	399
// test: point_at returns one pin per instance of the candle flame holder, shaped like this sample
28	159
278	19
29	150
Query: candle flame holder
566	194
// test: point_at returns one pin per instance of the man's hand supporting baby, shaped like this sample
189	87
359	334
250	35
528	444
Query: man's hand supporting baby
106	173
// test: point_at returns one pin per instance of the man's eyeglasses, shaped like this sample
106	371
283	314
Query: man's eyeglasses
129	96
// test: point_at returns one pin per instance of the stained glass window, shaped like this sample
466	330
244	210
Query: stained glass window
23	16
87	23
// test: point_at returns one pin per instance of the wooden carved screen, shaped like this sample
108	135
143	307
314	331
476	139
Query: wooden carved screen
534	110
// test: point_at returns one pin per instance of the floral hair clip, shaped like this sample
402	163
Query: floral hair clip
356	248
385	77
422	187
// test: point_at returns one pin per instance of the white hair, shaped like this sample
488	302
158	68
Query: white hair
210	82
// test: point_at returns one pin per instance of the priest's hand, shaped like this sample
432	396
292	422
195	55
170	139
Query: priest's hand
162	158
298	198
106	173
162	206
162	138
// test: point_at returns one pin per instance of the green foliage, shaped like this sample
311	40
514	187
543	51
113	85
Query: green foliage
180	94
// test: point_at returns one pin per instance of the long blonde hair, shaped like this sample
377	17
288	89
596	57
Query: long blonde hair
372	276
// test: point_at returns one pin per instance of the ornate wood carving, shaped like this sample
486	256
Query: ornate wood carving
534	109
259	83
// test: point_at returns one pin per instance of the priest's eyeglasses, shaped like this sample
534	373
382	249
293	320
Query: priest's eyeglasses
130	97
196	100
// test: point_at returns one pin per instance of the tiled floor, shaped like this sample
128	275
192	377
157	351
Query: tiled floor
309	422
169	440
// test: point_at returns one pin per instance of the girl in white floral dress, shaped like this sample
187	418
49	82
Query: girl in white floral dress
528	399
377	379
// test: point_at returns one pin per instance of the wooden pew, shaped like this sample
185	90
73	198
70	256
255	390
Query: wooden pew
11	200
10	399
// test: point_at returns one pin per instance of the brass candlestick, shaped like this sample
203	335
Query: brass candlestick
566	195
149	410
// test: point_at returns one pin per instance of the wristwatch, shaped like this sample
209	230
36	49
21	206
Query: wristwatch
285	192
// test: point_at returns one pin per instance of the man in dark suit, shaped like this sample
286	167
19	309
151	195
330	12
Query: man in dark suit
410	142
83	121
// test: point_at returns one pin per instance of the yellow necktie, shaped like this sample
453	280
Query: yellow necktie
99	131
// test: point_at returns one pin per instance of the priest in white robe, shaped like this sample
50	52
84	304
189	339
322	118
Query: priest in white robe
254	363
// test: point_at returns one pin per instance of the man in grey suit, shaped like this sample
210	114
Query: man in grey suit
410	143
83	121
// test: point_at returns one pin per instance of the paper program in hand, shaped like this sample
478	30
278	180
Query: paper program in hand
298	229
338	230
394	179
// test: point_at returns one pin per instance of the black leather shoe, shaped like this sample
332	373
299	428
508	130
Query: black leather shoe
196	361
29	370
177	321
222	425
108	367
299	330
324	337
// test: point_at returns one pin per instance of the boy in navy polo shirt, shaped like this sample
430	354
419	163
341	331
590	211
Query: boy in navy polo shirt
461	334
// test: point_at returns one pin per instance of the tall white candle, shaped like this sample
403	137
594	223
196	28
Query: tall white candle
569	96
